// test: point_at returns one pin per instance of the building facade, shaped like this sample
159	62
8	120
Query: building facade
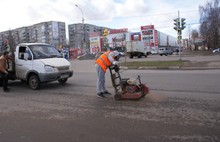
79	34
52	32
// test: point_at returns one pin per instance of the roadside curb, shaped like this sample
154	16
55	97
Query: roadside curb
170	68
200	68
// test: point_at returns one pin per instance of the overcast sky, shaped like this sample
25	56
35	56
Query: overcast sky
129	14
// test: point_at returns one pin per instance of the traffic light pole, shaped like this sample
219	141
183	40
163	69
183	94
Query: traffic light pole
179	35
179	25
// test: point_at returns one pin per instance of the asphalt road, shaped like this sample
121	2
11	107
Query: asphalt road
182	106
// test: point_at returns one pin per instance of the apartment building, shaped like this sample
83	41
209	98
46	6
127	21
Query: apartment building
51	32
79	34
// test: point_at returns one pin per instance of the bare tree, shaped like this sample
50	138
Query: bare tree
194	35
210	23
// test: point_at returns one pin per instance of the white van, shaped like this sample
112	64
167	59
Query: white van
165	51
37	63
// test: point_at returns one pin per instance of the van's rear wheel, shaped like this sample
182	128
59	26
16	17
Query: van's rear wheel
131	56
62	81
34	82
139	55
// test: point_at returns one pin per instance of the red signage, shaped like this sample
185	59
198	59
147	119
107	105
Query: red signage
148	32
147	27
156	37
115	39
118	31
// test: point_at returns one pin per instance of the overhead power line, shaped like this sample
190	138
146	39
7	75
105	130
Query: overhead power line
149	15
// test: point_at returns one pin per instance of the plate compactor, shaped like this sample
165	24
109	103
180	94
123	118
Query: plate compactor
125	88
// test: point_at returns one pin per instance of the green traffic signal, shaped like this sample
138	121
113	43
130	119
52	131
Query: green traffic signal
183	23
179	25
179	37
179	32
176	24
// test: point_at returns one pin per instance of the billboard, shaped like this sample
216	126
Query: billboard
147	35
55	30
95	43
116	38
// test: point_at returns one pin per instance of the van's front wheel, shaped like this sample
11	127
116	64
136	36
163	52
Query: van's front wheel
34	82
62	81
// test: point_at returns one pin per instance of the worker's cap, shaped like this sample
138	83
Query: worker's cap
116	53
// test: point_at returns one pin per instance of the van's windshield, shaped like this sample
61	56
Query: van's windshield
44	51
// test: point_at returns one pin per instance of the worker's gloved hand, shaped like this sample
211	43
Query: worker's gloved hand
6	72
115	62
116	68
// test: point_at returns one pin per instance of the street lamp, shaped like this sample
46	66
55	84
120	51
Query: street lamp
81	12
83	24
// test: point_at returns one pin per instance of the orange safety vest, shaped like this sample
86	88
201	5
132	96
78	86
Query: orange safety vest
103	61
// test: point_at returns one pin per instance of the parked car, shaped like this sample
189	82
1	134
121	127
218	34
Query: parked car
154	51
217	50
165	51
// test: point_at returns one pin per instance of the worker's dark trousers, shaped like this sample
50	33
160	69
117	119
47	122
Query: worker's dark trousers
100	79
4	80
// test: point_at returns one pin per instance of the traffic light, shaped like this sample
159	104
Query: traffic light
105	32
179	32
179	37
176	24
183	23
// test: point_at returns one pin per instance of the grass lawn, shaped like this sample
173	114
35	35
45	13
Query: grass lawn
153	63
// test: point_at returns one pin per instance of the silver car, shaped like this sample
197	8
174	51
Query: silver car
217	50
165	51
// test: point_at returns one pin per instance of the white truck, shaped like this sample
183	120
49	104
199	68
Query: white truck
148	41
136	48
37	63
152	40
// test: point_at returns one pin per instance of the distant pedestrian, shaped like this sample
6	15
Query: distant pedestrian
4	71
102	63
7	47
